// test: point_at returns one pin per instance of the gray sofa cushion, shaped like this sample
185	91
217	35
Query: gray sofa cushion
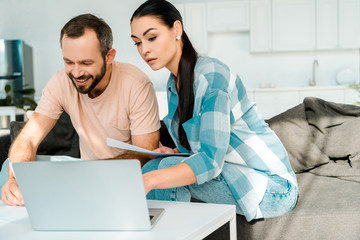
328	208
294	132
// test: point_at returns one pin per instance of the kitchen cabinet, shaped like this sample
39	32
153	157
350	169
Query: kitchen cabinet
332	95
326	24
302	25
228	16
181	8
338	24
349	23
293	25
273	101
194	20
195	25
260	26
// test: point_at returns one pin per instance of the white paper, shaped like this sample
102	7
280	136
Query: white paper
118	144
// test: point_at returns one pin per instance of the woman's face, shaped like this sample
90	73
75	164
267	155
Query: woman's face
156	43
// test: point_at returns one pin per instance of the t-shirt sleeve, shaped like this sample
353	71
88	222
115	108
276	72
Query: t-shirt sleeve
144	112
50	101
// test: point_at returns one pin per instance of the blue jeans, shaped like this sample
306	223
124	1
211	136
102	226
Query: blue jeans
280	196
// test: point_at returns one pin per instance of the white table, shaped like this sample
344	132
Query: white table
180	221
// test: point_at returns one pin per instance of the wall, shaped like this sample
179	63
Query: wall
39	22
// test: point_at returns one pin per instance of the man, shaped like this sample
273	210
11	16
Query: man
104	99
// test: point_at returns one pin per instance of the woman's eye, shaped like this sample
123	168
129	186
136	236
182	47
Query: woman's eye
137	43
152	39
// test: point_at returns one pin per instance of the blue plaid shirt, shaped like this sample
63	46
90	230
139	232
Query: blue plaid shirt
226	129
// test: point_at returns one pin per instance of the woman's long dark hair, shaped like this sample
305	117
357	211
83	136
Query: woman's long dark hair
168	14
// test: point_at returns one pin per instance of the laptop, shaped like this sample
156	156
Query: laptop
85	195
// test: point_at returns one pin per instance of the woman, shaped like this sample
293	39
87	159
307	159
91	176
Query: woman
235	157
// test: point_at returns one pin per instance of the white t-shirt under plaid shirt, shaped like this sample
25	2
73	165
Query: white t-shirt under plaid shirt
227	129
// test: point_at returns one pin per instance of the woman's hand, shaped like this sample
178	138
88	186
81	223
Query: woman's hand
147	179
164	149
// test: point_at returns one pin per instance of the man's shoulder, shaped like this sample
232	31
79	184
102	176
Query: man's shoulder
129	72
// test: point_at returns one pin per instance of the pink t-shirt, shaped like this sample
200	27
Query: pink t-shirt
128	106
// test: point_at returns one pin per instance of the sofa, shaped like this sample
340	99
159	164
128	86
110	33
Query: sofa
322	142
61	140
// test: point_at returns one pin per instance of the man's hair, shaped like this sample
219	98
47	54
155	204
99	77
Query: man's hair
76	27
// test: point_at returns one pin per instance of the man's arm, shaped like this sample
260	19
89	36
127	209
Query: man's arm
23	149
148	141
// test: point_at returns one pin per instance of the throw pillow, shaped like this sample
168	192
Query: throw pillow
294	132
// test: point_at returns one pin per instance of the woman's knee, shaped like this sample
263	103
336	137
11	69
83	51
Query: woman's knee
280	197
151	165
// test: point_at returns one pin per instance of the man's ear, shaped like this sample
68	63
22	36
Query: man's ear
178	28
110	56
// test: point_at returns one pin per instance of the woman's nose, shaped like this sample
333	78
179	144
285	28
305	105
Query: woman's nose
144	49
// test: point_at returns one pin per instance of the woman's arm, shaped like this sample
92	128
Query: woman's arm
176	176
206	162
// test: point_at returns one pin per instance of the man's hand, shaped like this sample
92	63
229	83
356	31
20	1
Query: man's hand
10	193
24	149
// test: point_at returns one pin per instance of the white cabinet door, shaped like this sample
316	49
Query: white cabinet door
195	25
352	96
326	24
336	95
181	8
228	16
293	25
275	102
260	26
349	23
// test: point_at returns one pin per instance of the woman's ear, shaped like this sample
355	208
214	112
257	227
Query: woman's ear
110	56
178	29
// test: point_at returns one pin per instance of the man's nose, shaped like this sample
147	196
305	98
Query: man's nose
77	71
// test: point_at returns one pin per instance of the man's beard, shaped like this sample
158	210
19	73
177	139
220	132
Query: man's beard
96	80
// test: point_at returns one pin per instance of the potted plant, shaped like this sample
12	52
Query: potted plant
357	88
18	98
23	102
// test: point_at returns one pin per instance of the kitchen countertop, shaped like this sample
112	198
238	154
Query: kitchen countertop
308	88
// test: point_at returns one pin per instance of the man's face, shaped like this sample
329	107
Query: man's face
83	61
